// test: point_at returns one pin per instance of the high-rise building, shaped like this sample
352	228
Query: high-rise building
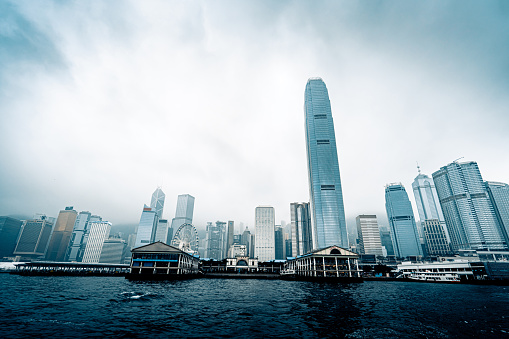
288	248
157	202
469	214
61	236
326	197
245	239
147	227
9	230
369	235
215	240
499	196
402	222
386	239
184	212
99	232
229	235
436	241
113	251
279	245
301	237
34	237
77	244
264	231
161	232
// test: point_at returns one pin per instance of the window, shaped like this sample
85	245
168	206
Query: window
323	142
320	116
328	187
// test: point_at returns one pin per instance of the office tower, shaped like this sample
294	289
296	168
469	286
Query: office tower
499	197
99	232
9	230
469	214
245	239
402	222
34	237
183	213
61	235
161	232
264	230
147	227
386	239
369	235
77	245
252	245
436	241
113	251
279	244
236	239
157	202
215	240
326	197
301	236
229	235
288	248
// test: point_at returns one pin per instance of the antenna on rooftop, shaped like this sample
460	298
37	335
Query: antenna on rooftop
458	159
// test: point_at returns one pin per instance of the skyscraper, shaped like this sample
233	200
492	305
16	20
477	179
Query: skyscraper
369	235
245	239
279	244
184	212
229	235
436	241
215	241
61	236
147	227
157	202
469	214
34	237
326	197
77	244
386	239
499	196
264	231
113	251
161	233
9	230
302	241
402	222
99	233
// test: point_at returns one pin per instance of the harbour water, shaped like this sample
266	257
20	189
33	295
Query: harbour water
116	307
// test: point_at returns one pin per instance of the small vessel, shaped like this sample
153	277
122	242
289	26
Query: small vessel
443	271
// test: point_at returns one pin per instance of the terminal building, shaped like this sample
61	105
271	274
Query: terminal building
161	261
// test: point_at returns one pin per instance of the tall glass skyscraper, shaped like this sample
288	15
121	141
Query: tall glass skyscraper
301	229
499	196
157	202
469	214
265	237
402	222
147	227
184	211
326	197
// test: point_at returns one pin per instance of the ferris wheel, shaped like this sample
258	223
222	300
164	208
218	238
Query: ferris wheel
186	238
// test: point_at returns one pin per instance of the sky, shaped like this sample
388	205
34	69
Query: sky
101	102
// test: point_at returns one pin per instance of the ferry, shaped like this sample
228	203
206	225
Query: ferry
443	271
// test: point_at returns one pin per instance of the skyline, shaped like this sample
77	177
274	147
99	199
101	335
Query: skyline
102	103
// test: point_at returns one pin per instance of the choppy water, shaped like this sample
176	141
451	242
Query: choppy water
116	307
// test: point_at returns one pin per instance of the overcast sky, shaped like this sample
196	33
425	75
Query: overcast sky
103	101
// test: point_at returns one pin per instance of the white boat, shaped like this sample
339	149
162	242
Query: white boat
443	271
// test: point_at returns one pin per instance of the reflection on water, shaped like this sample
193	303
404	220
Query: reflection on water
112	306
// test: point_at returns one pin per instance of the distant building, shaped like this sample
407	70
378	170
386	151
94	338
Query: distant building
288	248
499	196
34	237
229	235
61	235
9	231
245	239
161	232
279	245
77	244
402	222
147	227
326	196
215	240
301	236
99	233
113	251
157	202
469	214
369	235
184	212
237	250
436	241
264	230
386	239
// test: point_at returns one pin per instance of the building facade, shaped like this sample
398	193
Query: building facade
113	251
215	239
184	211
326	196
34	237
405	236
369	235
61	236
9	230
147	227
499	196
264	231
434	235
301	237
99	233
161	233
469	214
157	202
279	244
